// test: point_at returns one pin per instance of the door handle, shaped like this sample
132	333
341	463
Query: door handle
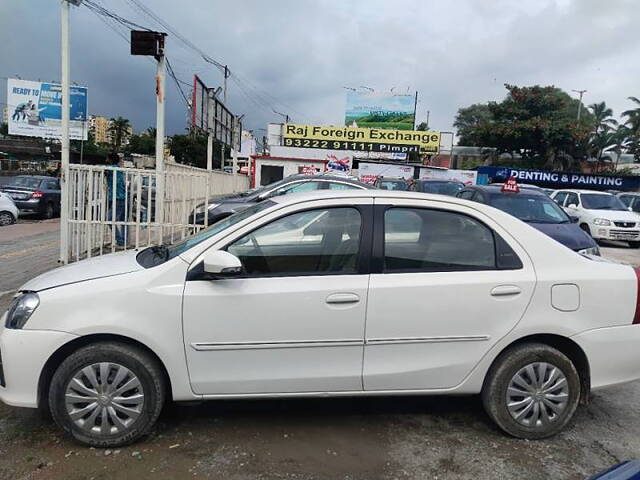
505	291
342	298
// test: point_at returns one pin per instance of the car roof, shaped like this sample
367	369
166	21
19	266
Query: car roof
397	179
440	180
578	190
371	193
323	176
41	177
497	189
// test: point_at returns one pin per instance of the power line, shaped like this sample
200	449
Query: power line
172	74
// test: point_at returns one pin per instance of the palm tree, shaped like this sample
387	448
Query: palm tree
633	116
150	132
119	129
603	117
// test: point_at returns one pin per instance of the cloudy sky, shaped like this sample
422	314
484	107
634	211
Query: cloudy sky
296	56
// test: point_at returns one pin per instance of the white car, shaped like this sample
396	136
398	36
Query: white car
8	210
601	214
381	293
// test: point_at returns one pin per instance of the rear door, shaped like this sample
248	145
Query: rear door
447	283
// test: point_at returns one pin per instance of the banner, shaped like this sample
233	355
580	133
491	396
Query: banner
35	109
226	129
369	172
360	139
468	177
380	109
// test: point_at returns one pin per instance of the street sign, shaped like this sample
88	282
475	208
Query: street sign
510	186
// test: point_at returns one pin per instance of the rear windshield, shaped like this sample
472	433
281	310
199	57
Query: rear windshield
443	188
594	201
25	182
393	185
529	208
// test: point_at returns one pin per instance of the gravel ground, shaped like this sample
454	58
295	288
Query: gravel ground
361	438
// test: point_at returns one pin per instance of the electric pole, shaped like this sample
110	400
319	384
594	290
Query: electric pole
64	151
581	92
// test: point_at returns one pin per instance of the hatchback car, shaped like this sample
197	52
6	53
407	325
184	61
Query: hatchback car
8	210
601	214
35	194
442	187
221	207
535	208
273	301
631	200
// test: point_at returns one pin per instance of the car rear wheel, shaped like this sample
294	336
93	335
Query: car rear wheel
6	218
634	244
532	391
107	394
49	211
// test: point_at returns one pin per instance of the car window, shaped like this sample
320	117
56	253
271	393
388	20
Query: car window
560	197
393	185
301	187
466	194
442	188
572	199
342	186
318	241
636	204
26	182
529	208
597	201
626	199
436	241
52	185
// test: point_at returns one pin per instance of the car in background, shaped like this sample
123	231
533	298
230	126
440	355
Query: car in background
8	210
548	191
602	215
221	207
391	183
35	194
631	200
441	187
628	470
538	210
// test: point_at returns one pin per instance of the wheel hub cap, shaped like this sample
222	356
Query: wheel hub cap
537	394
104	398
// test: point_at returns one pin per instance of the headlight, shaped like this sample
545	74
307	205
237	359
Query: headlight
603	222
590	251
21	309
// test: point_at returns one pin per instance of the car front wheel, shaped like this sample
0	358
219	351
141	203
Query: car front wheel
532	391
6	218
107	394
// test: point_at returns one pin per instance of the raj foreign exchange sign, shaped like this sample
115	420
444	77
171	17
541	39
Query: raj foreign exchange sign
360	139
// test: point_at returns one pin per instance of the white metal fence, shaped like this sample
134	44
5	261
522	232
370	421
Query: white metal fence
103	219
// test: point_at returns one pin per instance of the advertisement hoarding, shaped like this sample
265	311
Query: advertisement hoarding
468	177
369	172
35	109
380	109
204	104
360	139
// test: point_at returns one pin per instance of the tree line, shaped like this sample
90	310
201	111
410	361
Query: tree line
545	128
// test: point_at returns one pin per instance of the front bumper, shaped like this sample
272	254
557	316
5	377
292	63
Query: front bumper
612	353
616	233
24	354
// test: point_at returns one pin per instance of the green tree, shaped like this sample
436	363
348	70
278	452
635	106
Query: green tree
632	124
118	129
144	144
602	117
468	122
423	126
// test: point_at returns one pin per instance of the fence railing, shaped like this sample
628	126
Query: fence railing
113	208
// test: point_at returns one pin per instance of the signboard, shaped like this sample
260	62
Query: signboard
368	172
380	110
360	139
205	107
339	163
468	177
561	179
510	186
35	109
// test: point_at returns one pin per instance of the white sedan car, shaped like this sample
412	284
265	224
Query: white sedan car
370	293
8	210
601	214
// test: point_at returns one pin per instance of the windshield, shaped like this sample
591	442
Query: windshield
595	201
443	188
393	185
529	208
27	182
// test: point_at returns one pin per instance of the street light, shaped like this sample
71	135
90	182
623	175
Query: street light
581	92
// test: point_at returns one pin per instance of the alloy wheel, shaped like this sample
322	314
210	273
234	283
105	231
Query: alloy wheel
6	219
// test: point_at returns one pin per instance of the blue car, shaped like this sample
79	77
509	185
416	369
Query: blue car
629	470
538	210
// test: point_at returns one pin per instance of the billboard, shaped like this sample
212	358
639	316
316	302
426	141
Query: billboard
224	123
35	109
360	139
468	177
381	110
369	172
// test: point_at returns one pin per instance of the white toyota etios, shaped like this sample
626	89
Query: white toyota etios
350	293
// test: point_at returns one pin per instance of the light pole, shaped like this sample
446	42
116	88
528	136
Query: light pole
581	92
286	117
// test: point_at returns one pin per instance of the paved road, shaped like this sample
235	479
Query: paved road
362	438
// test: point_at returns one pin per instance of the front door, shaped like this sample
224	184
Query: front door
294	321
446	288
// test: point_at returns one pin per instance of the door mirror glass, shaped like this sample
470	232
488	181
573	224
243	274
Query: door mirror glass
221	263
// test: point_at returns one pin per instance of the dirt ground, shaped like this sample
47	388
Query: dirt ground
360	438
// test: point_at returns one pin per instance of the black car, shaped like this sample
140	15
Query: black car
538	210
35	194
224	206
391	183
441	187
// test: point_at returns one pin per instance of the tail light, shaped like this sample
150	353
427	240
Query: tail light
636	317
37	194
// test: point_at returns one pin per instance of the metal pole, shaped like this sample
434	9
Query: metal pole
415	110
82	143
581	92
64	153
226	75
160	187
210	132
428	114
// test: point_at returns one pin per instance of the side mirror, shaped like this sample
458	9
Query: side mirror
219	263
573	205
574	219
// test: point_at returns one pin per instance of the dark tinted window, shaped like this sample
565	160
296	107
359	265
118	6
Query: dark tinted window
572	199
52	185
26	182
626	199
442	188
466	194
311	242
597	201
393	185
530	208
559	198
436	241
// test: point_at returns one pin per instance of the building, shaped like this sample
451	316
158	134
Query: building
99	128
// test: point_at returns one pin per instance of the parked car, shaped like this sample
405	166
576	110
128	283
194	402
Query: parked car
442	187
35	194
391	183
602	215
629	470
8	210
232	313
538	210
147	191
221	207
631	200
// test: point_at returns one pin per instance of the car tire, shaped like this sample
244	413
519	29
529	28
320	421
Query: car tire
6	218
49	211
516	401
87	390
634	244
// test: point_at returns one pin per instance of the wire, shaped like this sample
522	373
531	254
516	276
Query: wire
97	8
172	74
